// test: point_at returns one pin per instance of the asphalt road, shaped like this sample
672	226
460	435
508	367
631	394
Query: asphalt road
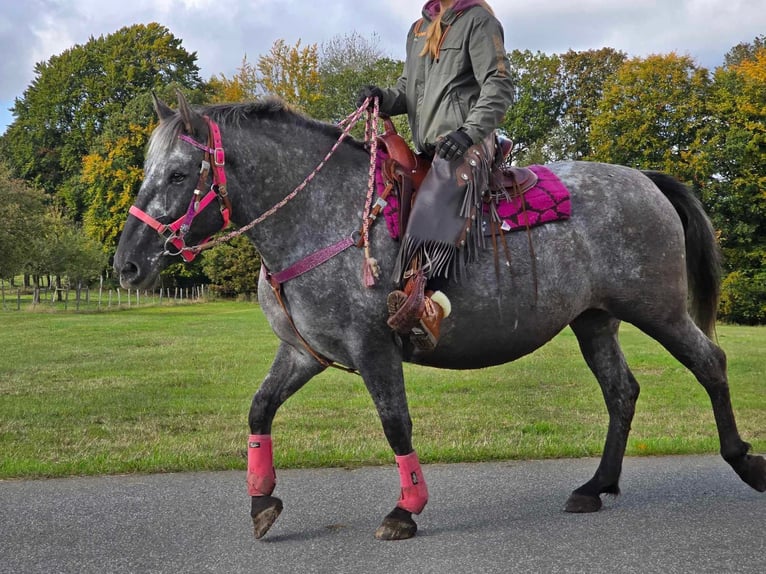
676	515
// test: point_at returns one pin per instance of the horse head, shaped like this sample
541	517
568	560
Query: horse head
171	210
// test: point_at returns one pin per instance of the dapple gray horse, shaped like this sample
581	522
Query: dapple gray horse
638	248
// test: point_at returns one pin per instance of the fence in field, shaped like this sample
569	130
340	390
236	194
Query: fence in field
100	298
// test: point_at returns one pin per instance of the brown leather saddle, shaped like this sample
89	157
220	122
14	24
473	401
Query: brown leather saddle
404	171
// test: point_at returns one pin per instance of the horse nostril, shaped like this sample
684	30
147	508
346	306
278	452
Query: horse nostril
128	271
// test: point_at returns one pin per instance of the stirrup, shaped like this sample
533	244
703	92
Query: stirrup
406	307
404	312
425	335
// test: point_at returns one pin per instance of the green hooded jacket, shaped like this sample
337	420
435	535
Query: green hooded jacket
468	86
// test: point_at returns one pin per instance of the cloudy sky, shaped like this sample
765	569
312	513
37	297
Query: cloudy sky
221	32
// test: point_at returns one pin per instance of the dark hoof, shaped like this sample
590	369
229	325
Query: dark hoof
265	511
752	469
581	503
398	525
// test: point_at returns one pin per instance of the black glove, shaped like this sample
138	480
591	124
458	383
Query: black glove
453	145
368	92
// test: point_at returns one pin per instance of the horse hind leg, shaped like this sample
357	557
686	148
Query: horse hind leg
692	348
596	332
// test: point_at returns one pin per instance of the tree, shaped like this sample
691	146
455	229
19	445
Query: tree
242	86
233	267
70	252
292	73
744	51
736	195
537	104
112	178
346	64
582	76
73	95
21	217
652	116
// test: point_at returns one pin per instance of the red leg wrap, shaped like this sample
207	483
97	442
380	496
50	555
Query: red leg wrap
261	478
414	490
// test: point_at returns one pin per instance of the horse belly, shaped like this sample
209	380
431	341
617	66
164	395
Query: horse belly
477	340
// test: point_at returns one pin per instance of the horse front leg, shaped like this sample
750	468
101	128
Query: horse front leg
386	386
290	370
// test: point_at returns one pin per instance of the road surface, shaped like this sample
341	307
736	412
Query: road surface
676	515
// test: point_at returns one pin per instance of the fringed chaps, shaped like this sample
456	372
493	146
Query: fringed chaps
440	239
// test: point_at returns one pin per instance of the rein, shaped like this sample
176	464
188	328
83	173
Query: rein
174	233
349	122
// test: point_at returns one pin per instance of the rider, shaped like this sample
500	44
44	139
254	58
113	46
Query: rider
455	88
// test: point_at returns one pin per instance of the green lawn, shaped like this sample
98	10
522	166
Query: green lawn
168	389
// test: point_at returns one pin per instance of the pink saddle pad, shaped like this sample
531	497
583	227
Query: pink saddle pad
547	201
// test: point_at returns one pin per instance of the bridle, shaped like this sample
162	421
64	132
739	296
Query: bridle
175	233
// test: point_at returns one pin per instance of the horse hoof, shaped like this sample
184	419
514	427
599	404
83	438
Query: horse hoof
752	470
265	510
398	525
581	503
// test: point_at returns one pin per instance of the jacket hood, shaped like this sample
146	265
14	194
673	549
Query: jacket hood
433	7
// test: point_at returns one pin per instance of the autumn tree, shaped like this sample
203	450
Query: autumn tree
736	195
744	51
651	116
292	73
112	177
242	86
73	95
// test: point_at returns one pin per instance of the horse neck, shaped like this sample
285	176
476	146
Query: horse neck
268	162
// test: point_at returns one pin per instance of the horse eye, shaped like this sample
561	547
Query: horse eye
177	177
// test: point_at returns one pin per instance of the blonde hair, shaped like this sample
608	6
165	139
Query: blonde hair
435	32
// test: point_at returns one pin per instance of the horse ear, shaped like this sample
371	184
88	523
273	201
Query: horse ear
187	114
162	109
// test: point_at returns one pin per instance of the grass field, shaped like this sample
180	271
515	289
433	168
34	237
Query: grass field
168	389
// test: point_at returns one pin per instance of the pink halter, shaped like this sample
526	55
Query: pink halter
175	232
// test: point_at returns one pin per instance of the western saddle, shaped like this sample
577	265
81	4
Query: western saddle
405	170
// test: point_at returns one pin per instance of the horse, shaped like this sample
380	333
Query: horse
638	248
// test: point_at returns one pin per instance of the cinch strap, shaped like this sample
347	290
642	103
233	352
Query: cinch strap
414	490
261	477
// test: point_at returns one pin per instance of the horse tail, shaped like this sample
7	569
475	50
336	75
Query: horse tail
703	256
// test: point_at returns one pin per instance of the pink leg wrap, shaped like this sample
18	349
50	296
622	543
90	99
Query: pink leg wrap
261	478
414	490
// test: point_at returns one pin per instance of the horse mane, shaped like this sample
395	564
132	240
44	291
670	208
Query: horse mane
235	114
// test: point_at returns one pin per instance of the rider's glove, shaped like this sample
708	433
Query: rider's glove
368	92
453	145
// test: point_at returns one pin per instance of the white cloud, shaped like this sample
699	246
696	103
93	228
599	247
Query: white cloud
223	31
